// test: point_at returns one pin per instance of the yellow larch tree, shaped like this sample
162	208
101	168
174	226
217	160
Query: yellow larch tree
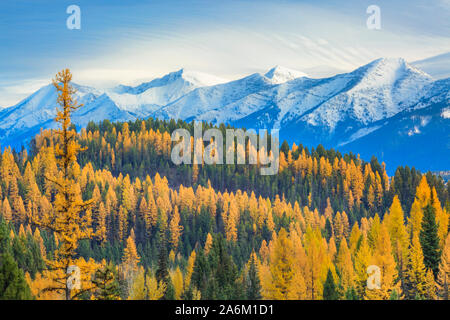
177	280
362	261
398	233
155	289
422	198
344	266
230	221
430	286
70	218
129	268
338	228
281	280
317	264
189	269
208	243
442	217
443	278
372	234
138	290
40	283
6	210
175	229
384	259
415	275
355	236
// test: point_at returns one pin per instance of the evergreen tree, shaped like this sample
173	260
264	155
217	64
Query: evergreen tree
351	294
12	281
329	288
429	240
223	272
254	286
106	282
162	271
415	279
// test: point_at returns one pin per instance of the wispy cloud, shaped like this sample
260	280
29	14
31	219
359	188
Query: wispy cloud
120	41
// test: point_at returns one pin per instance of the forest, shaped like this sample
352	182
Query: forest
108	200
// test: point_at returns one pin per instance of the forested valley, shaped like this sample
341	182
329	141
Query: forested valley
108	200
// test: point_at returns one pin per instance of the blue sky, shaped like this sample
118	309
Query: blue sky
132	41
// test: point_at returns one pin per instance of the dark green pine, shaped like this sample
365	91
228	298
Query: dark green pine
429	240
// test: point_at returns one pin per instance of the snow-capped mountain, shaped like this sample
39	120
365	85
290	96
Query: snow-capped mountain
339	111
313	111
279	74
121	103
38	110
198	102
371	93
231	101
147	97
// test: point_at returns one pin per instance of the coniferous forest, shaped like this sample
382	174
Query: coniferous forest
103	213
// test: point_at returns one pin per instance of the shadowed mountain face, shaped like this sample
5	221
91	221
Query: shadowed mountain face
418	137
384	108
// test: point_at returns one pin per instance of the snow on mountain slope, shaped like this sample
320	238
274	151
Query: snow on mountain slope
100	109
417	137
233	100
122	103
300	94
375	91
378	90
201	100
148	97
280	74
338	111
438	66
37	109
446	114
310	110
435	93
40	106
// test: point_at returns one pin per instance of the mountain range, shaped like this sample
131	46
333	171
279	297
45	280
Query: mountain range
387	108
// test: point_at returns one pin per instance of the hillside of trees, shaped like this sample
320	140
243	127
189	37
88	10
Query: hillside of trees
109	200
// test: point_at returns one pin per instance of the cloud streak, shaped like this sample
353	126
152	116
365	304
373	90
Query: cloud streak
121	42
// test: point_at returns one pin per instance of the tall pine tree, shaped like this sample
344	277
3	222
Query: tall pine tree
330	291
429	240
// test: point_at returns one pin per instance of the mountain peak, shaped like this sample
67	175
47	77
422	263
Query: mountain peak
394	65
188	77
279	74
389	72
197	78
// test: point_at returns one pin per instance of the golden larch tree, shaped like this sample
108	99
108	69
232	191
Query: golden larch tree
443	278
175	229
344	266
70	219
415	278
281	280
398	234
384	259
